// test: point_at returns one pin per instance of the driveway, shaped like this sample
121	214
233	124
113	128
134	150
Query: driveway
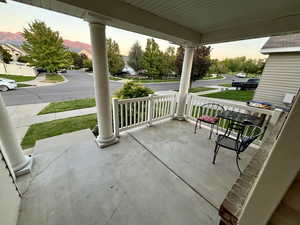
80	85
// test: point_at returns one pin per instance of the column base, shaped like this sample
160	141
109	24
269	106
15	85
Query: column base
26	168
105	143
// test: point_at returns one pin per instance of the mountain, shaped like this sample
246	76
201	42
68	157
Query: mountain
17	39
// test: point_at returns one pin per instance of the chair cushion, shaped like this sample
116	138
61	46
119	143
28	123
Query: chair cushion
209	119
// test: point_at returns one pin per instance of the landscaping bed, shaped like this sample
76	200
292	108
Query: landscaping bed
53	78
24	85
55	107
239	95
57	127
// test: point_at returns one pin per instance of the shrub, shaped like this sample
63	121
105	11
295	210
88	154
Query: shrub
133	90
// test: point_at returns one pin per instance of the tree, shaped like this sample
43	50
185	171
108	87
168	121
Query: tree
135	56
201	62
168	61
217	67
115	60
77	60
23	59
152	59
5	56
45	48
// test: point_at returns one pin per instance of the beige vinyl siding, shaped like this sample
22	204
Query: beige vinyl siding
280	76
288	211
9	197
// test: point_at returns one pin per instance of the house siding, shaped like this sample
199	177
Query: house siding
9	196
288	211
281	75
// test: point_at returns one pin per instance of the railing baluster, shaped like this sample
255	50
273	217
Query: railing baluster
126	114
139	112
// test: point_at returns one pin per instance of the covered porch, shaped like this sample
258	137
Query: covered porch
157	175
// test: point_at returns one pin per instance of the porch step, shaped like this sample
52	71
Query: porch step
64	140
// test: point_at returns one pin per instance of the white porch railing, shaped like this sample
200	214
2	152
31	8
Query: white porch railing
194	103
130	113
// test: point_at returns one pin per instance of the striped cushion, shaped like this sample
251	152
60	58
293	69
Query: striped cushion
209	119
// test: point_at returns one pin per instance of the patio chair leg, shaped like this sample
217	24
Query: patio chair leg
196	126
237	162
215	153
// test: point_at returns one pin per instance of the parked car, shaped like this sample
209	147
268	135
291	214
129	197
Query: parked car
7	84
241	75
246	85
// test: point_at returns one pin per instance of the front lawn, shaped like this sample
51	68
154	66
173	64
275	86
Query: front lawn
155	81
55	107
24	85
17	78
225	85
53	78
239	95
200	89
57	127
115	78
212	78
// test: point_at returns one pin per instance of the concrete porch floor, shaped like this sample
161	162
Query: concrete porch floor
160	175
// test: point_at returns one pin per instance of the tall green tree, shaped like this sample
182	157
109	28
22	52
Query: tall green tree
115	60
45	48
152	59
77	60
135	56
5	56
201	62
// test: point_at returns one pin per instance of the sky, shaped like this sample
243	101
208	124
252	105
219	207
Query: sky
15	16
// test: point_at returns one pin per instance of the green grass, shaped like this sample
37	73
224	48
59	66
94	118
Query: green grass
242	96
24	85
55	107
17	78
57	127
53	78
153	80
212	78
114	78
200	89
225	85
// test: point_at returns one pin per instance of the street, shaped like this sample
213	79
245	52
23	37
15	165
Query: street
80	85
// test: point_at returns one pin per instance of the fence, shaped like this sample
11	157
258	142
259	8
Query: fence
130	113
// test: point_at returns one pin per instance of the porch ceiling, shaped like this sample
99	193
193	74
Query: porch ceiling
185	21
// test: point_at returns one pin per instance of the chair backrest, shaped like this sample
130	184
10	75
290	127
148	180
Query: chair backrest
211	109
251	133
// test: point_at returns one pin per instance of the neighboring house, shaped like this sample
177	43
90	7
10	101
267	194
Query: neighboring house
14	51
281	74
128	69
86	52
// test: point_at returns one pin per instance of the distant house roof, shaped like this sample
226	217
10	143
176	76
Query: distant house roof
284	43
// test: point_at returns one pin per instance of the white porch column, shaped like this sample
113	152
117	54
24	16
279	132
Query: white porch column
184	81
102	95
20	163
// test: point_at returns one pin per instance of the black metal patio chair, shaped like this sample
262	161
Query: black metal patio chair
238	144
209	114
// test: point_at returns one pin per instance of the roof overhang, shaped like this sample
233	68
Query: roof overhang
280	50
183	23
